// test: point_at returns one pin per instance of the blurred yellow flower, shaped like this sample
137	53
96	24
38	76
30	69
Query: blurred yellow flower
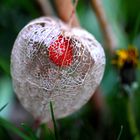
130	55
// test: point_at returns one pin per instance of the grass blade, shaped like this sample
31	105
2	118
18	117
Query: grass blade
29	131
9	126
3	107
120	133
54	121
47	134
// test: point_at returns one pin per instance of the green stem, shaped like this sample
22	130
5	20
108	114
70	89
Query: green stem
119	136
131	120
54	121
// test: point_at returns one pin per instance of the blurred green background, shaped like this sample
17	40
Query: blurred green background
89	123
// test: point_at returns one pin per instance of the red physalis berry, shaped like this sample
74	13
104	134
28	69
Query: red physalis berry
60	51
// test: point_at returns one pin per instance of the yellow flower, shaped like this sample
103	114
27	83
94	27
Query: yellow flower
126	55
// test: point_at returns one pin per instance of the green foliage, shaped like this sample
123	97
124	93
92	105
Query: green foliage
25	131
9	126
131	17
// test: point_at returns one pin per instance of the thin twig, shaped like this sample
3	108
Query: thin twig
64	9
45	7
73	13
105	26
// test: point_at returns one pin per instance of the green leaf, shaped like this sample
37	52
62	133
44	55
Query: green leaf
46	133
3	107
4	66
29	131
9	126
6	95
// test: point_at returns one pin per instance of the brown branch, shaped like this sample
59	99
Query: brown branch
64	9
105	27
45	7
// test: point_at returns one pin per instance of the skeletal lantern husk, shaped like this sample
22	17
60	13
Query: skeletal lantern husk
37	79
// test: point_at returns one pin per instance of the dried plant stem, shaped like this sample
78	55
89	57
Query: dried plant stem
45	7
106	29
65	10
73	13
